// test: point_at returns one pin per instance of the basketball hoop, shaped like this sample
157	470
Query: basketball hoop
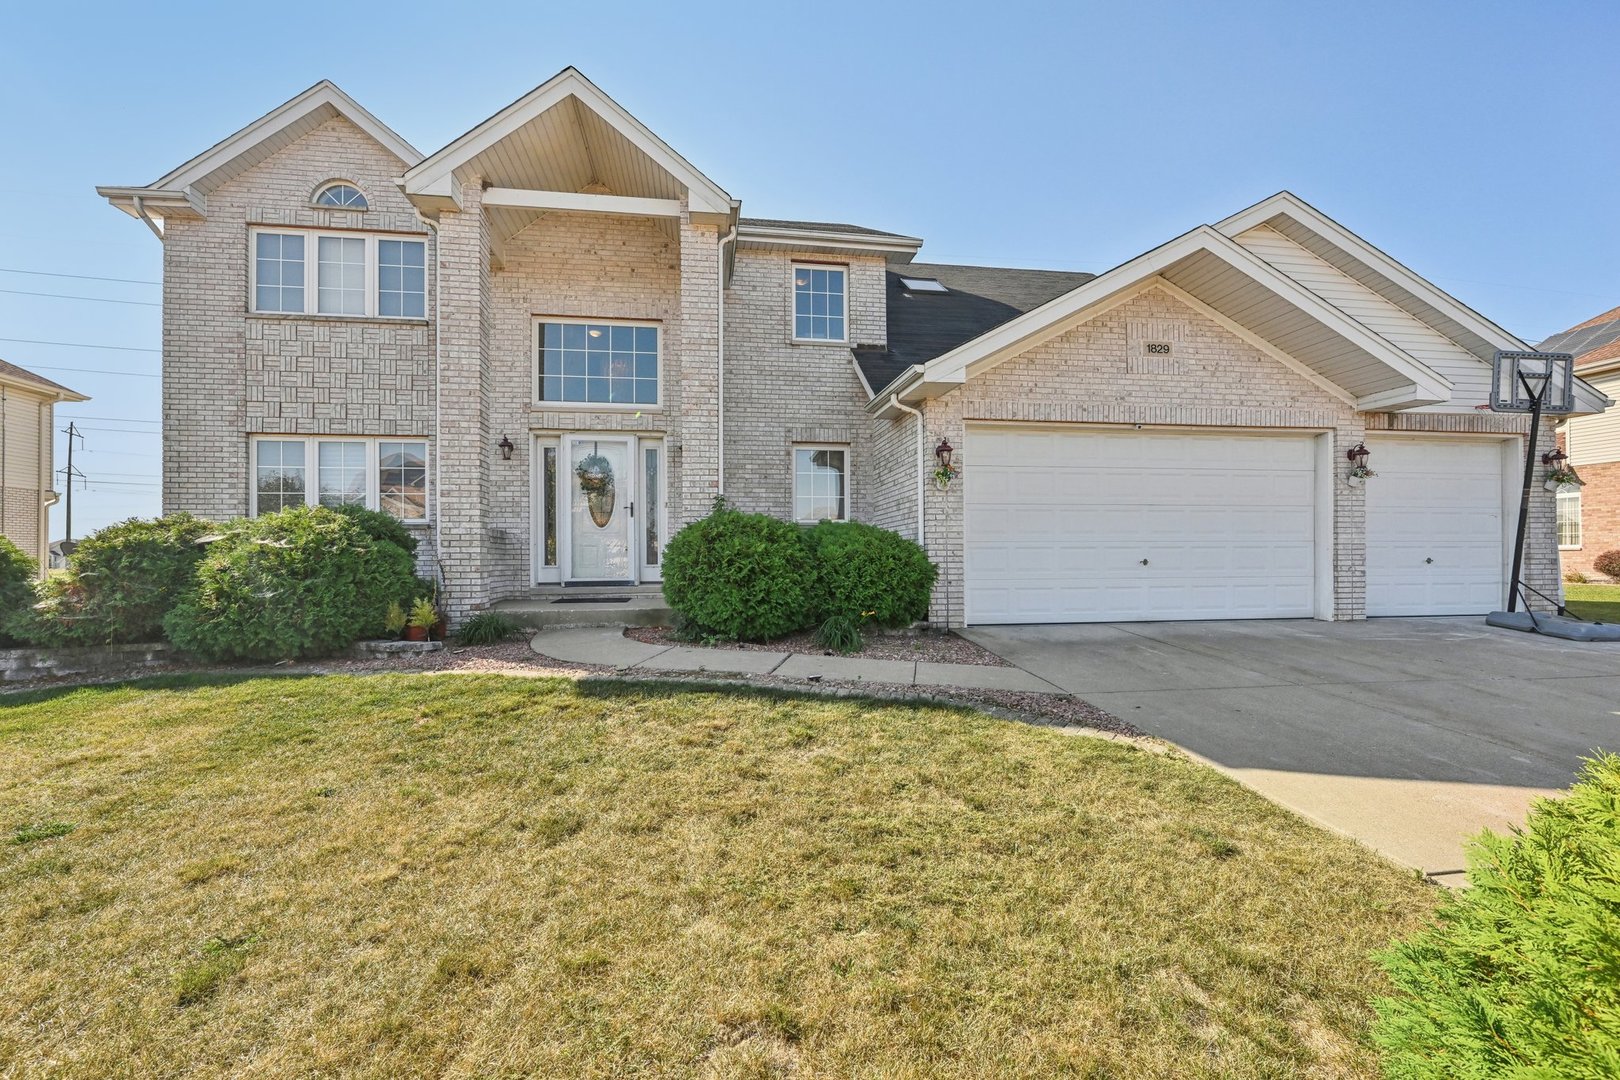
1519	379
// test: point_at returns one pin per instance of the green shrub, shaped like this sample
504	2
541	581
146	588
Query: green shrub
380	526
734	575
1608	564
17	576
1521	975
870	574
306	581
840	633
121	582
487	628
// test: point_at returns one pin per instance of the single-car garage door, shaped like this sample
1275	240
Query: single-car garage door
1091	526
1435	539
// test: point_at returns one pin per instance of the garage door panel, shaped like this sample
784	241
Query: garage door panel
1058	523
1435	527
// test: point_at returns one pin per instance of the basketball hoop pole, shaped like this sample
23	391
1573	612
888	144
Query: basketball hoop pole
1524	496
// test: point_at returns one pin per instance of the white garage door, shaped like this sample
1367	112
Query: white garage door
1072	526
1435	541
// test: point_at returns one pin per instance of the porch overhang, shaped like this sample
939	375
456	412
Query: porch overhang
1251	298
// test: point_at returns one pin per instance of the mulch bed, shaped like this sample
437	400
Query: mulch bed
927	646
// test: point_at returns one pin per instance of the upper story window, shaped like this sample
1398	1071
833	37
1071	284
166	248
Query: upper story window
602	363
341	195
818	302
328	273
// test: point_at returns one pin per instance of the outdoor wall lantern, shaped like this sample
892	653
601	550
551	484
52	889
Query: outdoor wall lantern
1560	473
505	446
1358	455
944	473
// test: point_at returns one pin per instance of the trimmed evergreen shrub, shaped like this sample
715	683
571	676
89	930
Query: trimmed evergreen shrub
870	574
305	581
121	582
380	526
740	576
17	576
1521	975
1608	564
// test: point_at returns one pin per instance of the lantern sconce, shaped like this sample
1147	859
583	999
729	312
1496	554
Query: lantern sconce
1357	456
1560	473
505	446
944	472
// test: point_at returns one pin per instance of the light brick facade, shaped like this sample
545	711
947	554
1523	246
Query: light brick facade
465	376
1600	519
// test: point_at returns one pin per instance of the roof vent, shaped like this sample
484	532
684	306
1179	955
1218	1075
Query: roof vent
914	284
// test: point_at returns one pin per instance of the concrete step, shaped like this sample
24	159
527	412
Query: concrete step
596	605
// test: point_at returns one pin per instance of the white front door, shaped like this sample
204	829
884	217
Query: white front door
1077	525
1436	543
597	526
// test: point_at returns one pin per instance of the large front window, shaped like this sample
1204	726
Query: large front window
596	362
354	274
380	474
820	483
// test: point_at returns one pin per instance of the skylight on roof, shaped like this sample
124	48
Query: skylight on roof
914	284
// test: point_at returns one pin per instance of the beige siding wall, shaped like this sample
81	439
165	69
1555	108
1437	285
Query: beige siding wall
25	469
1470	377
779	392
229	374
1595	439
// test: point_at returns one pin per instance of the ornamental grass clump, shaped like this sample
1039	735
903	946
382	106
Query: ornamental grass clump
1521	975
306	581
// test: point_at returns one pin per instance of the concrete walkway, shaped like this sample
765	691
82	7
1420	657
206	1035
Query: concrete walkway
609	646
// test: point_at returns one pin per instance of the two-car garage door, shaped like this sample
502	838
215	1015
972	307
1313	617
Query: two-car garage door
1077	525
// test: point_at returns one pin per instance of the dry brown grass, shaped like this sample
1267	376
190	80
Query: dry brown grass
408	875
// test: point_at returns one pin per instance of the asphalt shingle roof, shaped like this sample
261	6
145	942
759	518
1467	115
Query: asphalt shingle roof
24	375
818	226
923	325
1595	341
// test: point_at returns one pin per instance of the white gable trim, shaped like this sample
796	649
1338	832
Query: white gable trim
1085	301
433	175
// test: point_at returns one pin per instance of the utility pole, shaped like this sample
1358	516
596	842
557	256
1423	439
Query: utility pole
72	432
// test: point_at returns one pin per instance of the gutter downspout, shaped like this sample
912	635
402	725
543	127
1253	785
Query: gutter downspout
438	396
720	359
140	212
922	459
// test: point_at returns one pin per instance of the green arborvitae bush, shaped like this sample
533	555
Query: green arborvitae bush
1521	975
17	576
740	576
306	581
870	574
120	582
380	526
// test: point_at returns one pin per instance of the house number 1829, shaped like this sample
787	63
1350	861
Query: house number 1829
1158	348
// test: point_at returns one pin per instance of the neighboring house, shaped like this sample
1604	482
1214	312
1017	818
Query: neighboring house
1589	516
27	428
459	338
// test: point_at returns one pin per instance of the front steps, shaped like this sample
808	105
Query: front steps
588	605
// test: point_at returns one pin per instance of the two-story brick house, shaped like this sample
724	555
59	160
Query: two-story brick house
553	342
1589	515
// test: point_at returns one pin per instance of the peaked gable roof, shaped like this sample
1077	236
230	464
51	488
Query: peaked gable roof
183	191
1595	342
433	177
18	376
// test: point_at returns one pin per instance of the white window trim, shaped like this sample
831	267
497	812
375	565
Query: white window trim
312	493
1579	530
793	324
793	479
312	272
592	406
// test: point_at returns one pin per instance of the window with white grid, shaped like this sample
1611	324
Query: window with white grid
820	483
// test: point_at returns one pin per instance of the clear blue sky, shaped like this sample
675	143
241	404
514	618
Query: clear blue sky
1476	142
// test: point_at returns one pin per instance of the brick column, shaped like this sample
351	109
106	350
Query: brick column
1541	563
462	440
1349	528
695	472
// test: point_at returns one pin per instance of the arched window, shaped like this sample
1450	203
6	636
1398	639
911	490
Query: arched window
342	195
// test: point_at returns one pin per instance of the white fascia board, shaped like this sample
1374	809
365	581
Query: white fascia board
1409	396
156	201
1053	317
703	194
1287	204
323	93
529	199
1588	398
885	242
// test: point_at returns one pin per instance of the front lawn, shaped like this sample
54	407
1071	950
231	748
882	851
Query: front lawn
480	875
1599	603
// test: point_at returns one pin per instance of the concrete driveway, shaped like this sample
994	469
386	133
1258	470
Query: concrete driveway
1409	734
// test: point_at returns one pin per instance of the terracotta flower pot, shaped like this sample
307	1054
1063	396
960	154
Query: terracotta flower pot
416	633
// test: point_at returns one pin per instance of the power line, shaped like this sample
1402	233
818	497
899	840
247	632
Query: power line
119	419
79	277
120	430
93	371
78	345
69	296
